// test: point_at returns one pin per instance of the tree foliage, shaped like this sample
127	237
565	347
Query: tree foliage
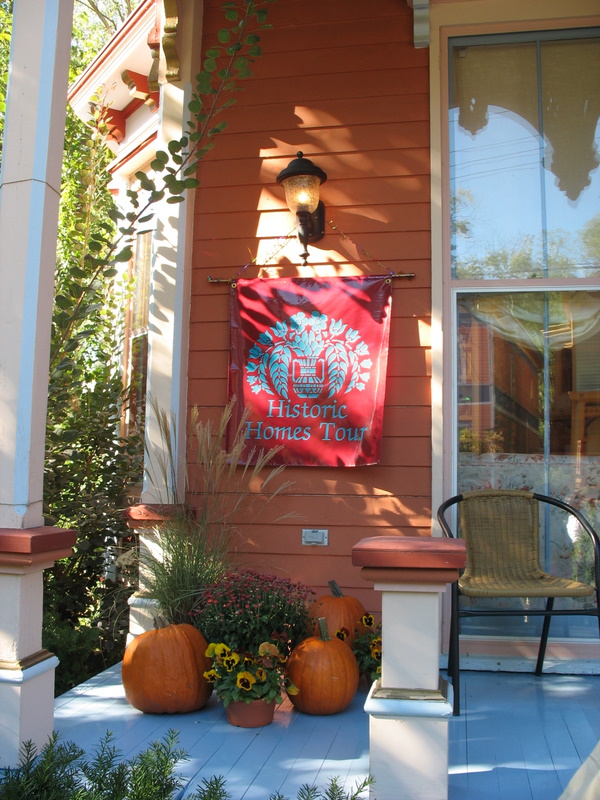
89	466
5	34
94	23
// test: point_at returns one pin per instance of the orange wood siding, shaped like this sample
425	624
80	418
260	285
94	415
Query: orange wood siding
342	82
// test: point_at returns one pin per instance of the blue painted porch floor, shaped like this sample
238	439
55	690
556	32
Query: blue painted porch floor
518	738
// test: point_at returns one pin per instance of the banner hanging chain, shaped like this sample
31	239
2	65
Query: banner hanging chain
370	257
282	242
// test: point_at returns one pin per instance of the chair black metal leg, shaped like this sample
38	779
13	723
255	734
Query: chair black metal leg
454	653
544	640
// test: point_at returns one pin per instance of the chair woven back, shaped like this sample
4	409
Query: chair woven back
502	534
501	530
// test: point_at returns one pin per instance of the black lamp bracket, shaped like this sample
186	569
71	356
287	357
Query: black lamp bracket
310	228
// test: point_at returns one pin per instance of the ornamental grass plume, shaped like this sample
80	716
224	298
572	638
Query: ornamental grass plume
197	541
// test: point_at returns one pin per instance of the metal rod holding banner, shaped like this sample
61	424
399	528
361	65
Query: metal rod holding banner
230	281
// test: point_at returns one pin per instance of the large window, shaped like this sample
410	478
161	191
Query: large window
525	251
525	150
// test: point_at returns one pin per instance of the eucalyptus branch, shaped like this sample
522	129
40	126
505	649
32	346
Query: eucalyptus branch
238	47
225	64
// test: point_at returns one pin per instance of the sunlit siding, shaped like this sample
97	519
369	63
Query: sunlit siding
341	81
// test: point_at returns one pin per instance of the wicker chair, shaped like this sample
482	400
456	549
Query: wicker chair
502	534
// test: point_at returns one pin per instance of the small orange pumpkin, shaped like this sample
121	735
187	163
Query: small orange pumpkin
162	670
342	612
325	672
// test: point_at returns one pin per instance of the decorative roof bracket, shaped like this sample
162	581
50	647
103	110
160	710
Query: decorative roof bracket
169	39
420	22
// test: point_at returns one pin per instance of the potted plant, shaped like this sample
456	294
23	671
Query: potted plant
368	648
250	684
195	542
245	608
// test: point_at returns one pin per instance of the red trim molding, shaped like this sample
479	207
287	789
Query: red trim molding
409	559
30	547
149	515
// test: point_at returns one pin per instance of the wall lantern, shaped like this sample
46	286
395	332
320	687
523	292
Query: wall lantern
301	180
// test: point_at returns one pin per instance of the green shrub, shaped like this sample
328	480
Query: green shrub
60	772
68	643
214	789
196	543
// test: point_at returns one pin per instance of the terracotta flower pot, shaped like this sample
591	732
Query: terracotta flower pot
255	714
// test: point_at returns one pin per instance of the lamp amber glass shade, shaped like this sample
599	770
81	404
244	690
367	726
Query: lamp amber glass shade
302	192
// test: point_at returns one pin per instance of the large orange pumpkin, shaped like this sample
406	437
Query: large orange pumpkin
325	672
342	612
162	670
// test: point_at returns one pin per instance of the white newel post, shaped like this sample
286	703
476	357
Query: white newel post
409	707
26	669
145	520
29	197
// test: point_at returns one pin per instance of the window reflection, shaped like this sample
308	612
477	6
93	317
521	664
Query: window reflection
525	150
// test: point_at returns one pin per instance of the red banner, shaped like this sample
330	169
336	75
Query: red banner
309	357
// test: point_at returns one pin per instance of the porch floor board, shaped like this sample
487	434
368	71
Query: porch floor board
519	737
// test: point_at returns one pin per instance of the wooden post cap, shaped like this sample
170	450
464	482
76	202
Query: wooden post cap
44	539
35	548
410	552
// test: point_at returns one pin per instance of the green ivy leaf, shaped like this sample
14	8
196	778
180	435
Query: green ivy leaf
218	128
71	345
146	183
203	81
62	301
124	255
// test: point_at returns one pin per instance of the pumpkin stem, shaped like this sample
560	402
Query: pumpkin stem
325	637
160	622
335	589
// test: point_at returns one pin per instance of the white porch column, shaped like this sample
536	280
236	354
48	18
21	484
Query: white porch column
29	197
169	324
409	707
